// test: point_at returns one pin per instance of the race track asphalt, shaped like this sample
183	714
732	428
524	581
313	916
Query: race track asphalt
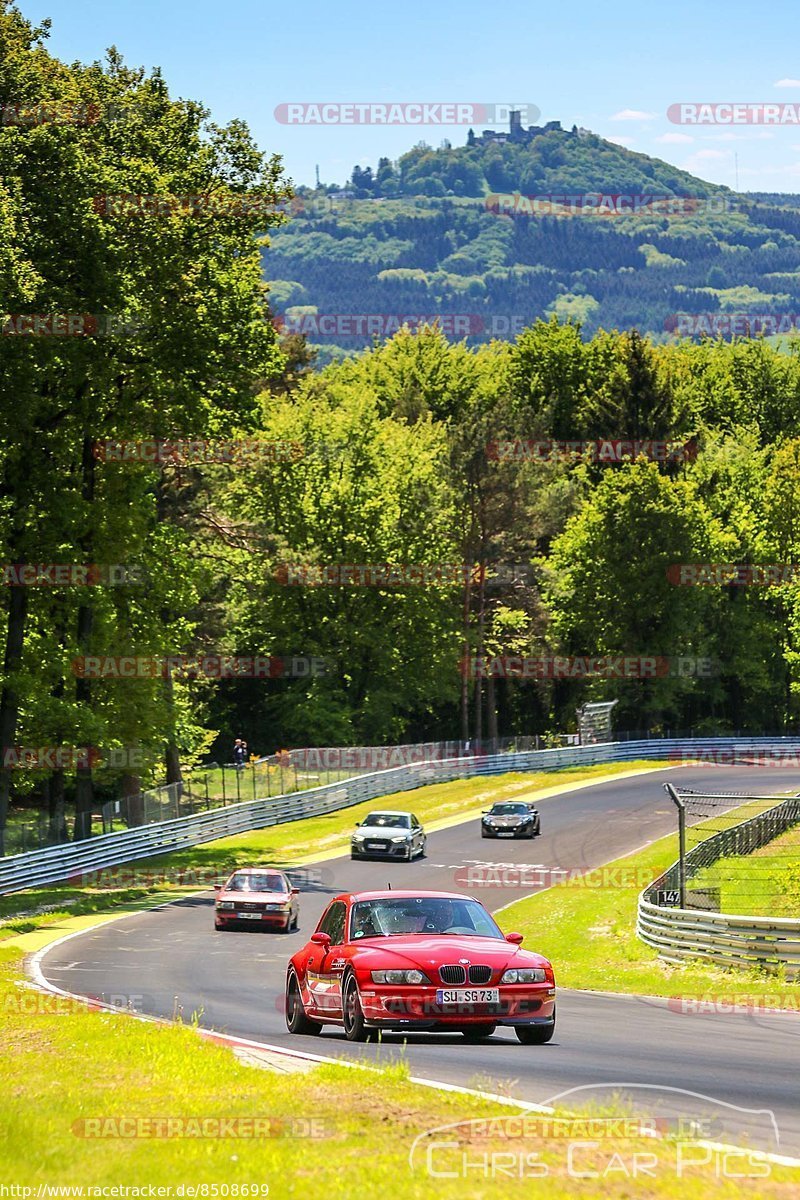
169	961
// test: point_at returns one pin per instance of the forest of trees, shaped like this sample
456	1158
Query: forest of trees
415	454
427	235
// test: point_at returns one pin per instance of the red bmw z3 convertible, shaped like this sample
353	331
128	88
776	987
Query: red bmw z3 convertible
418	961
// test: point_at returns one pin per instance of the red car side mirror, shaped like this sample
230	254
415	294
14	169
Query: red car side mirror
217	887
516	939
322	939
295	891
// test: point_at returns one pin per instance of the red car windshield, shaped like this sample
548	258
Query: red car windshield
267	882
423	914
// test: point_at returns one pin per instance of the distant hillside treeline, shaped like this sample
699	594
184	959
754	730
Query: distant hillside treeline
416	237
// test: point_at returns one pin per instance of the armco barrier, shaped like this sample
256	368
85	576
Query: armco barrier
62	862
724	938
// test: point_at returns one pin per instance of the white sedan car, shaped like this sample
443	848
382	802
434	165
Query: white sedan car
388	834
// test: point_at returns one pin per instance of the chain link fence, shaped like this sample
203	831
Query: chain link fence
215	785
740	854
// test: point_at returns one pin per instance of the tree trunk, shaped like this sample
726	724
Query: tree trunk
465	660
479	654
57	824
132	800
84	790
491	713
9	703
172	759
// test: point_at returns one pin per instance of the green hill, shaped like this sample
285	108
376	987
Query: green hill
451	231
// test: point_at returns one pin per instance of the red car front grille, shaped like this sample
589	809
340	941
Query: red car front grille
480	974
454	973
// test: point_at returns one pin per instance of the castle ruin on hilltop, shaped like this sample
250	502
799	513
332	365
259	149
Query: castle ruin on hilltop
517	132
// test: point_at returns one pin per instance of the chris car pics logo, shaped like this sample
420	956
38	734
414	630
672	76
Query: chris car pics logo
669	1133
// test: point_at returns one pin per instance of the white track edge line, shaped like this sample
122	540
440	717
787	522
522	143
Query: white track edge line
212	1035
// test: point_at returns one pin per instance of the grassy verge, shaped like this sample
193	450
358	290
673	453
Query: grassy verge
75	1086
588	928
154	879
766	881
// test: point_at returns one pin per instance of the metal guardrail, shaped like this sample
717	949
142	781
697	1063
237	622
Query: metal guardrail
726	939
67	861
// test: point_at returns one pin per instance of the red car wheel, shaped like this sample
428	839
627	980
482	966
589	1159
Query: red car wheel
476	1033
296	1019
535	1035
354	1028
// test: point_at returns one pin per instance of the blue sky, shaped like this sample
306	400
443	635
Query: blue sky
613	69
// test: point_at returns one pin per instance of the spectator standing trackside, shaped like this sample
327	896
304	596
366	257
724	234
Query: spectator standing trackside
239	753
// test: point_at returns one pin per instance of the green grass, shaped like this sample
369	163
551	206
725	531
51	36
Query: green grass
59	1068
590	934
255	782
63	1074
186	870
764	882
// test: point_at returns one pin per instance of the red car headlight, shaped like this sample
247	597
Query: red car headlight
399	977
525	975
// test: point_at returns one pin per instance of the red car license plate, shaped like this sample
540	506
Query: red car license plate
468	996
248	916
